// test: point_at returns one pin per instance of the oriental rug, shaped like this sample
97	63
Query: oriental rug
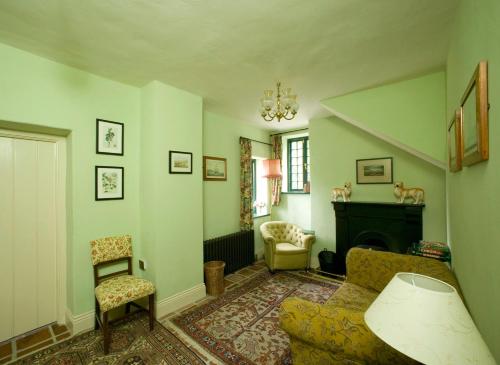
132	344
242	326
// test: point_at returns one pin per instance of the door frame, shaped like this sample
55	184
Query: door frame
61	237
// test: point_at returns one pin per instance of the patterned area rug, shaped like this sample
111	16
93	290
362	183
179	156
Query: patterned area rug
132	344
241	327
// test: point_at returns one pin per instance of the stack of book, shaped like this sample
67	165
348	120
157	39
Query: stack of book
435	250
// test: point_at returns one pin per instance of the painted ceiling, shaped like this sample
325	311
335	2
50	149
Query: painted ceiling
230	51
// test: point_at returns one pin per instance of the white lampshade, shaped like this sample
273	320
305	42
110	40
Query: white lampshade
272	168
425	319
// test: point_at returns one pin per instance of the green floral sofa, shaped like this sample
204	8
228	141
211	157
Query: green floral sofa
335	332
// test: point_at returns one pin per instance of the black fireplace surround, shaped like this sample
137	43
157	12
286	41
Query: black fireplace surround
381	226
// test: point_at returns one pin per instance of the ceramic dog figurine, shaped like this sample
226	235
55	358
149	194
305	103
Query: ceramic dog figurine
344	192
402	193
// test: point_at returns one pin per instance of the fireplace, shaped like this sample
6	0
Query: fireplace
381	226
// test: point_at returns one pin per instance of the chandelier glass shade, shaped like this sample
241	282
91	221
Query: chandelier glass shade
285	105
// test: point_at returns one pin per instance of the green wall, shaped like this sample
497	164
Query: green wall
44	93
410	111
162	212
294	208
221	200
171	204
472	193
335	146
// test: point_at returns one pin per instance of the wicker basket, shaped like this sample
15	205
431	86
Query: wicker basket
214	277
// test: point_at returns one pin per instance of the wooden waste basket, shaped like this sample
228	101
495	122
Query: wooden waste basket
214	277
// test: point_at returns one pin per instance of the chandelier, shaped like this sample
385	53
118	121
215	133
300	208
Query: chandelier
284	107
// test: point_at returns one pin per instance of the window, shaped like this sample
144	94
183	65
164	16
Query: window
298	163
260	192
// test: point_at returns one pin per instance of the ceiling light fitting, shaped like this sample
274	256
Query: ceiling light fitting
284	107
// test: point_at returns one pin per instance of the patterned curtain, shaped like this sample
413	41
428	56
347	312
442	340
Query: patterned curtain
246	181
276	183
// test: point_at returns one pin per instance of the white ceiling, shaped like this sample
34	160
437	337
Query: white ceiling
229	51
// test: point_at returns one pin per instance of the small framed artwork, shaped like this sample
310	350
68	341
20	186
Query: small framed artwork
455	142
109	137
474	105
374	171
214	168
109	183
180	162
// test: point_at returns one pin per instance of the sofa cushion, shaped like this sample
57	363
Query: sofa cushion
284	248
352	296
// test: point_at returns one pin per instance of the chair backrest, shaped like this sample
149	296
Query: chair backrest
283	231
110	249
105	251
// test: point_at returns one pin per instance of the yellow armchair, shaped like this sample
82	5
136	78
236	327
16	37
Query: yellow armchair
286	246
335	332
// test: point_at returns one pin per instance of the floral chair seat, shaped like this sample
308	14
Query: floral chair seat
120	290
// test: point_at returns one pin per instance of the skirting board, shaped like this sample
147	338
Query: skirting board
85	321
179	300
79	323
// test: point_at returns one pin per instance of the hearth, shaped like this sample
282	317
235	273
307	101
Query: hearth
381	226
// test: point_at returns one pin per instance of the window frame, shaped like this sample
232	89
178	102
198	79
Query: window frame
254	186
305	175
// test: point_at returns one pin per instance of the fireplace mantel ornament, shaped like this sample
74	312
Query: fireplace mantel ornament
344	192
402	193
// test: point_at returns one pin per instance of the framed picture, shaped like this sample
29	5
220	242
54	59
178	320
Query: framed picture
108	183
455	142
180	162
214	168
374	171
109	137
474	105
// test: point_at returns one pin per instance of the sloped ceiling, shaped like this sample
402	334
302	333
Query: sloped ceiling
410	115
230	51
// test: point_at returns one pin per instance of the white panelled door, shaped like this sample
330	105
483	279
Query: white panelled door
28	257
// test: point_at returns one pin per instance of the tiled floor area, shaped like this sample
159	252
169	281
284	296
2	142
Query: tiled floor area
49	335
32	342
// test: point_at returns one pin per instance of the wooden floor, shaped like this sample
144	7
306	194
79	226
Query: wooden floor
32	342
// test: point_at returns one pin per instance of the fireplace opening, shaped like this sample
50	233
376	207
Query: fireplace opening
372	240
385	226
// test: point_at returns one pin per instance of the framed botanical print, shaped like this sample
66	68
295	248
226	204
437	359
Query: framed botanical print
474	105
374	171
109	183
214	168
455	142
109	137
180	162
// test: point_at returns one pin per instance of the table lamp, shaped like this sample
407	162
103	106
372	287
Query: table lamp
425	319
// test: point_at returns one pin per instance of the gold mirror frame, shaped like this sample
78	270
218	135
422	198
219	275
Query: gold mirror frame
475	94
455	150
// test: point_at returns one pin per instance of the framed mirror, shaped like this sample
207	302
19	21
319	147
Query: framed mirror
474	117
455	142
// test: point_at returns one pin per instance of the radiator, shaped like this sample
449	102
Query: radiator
236	250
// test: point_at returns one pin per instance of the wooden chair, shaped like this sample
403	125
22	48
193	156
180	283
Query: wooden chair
117	288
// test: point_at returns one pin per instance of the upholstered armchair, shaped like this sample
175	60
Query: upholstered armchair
335	332
286	246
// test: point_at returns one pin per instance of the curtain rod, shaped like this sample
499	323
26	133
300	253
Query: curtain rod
254	140
296	130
